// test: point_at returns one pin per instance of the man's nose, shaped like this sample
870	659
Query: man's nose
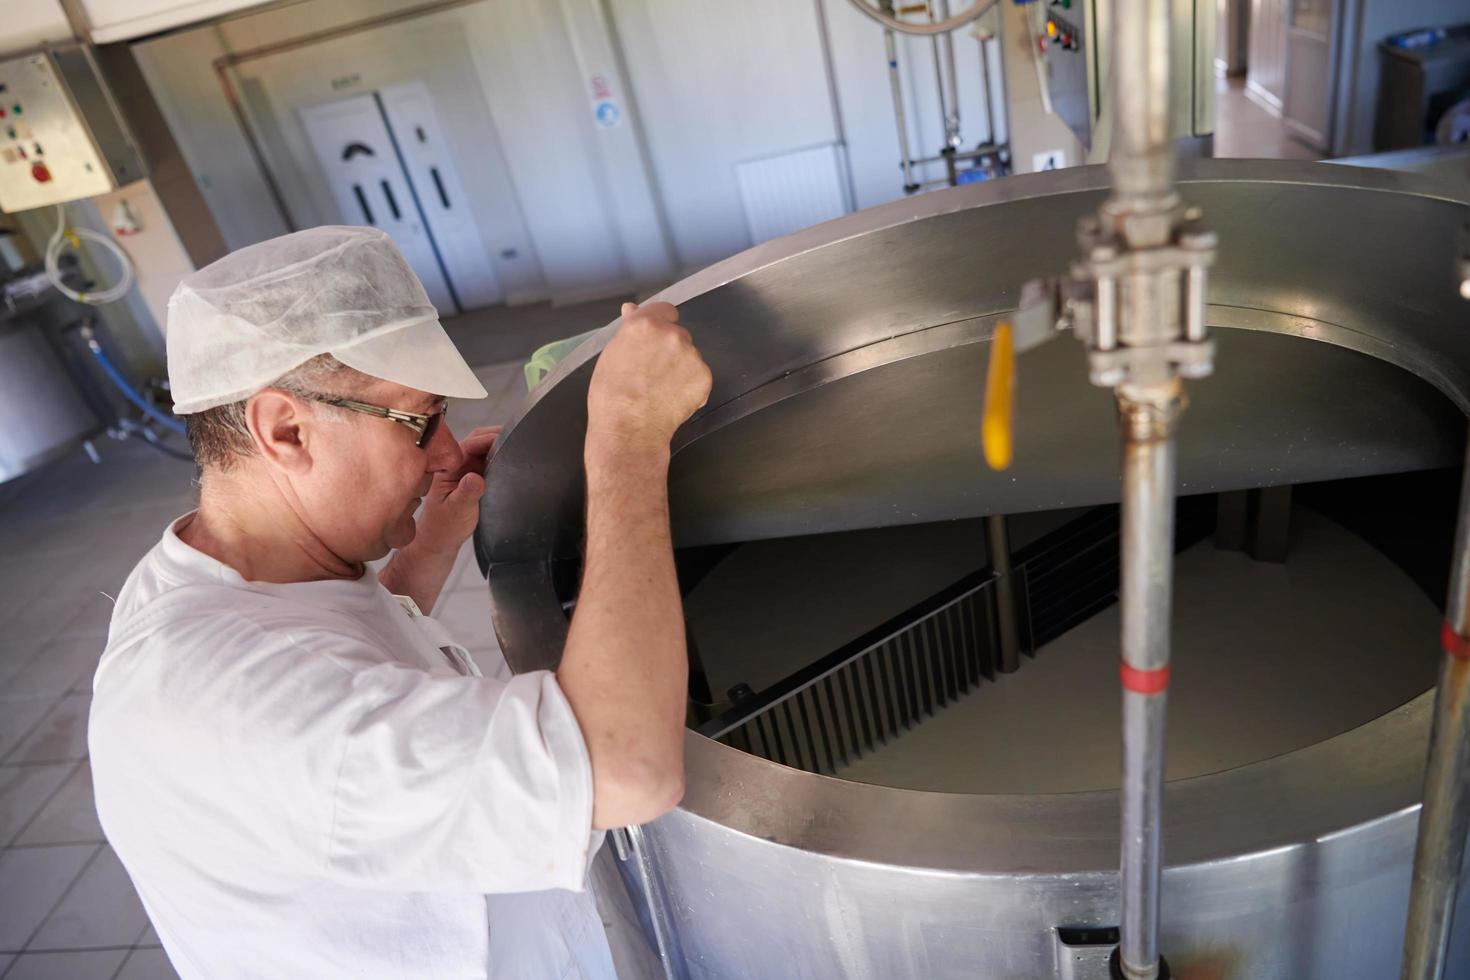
444	451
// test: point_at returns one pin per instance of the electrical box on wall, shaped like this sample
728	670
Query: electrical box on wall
61	136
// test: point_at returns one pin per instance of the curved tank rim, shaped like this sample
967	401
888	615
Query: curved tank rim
1071	180
1212	817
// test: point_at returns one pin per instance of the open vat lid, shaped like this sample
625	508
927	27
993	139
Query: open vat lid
848	366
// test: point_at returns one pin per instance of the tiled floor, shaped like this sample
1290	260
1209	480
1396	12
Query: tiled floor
69	535
1245	130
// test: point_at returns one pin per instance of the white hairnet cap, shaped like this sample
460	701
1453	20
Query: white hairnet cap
242	322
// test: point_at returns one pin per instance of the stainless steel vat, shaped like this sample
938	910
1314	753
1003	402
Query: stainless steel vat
42	415
847	363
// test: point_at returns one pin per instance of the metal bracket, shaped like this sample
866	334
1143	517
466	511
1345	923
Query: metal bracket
1083	952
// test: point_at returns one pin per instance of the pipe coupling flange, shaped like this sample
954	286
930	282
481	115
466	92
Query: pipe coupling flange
1150	414
1141	310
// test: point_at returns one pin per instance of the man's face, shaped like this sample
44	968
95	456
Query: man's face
367	475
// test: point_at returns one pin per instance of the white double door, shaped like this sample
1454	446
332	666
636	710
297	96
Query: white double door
388	165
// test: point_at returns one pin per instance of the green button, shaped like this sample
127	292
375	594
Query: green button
15	108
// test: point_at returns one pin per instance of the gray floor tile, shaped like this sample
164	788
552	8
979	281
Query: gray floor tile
5	960
1244	129
24	790
47	617
90	965
20	581
57	668
102	909
17	721
57	737
147	964
42	875
148	937
70	817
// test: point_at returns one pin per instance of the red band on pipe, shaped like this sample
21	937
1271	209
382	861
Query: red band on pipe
1454	644
1143	681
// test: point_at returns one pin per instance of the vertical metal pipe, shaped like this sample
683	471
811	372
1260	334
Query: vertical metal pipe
895	84
990	136
824	35
1141	213
1141	161
998	542
951	107
1445	817
934	42
1145	603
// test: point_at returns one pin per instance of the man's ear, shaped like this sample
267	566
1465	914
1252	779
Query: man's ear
277	423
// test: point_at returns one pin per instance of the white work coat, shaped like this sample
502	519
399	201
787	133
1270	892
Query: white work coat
313	780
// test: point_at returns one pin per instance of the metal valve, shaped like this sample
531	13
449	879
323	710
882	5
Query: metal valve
1035	323
1165	288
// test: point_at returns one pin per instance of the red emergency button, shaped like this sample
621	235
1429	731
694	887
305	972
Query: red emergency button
41	172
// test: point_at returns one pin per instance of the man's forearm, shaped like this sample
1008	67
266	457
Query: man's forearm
419	573
625	668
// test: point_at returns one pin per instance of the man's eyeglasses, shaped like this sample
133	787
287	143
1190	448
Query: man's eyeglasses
423	425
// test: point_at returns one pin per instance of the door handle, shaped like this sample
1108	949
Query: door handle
392	202
367	212
439	186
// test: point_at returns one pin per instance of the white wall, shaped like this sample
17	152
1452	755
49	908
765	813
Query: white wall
567	199
432	50
720	83
180	74
701	85
531	78
621	163
27	23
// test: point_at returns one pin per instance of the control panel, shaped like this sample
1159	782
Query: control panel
61	138
1063	44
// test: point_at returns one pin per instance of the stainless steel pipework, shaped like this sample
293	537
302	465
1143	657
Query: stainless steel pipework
1137	300
1141	312
895	84
947	78
1147	572
1444	819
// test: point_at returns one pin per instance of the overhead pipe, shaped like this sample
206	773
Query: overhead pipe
885	15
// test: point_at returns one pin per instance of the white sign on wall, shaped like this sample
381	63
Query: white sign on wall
605	108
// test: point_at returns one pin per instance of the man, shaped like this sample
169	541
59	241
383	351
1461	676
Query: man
303	774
